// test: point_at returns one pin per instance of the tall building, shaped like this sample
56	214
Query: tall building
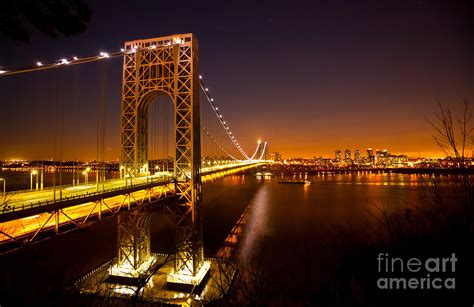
382	153
370	156
338	155
347	155
381	158
275	156
357	157
370	153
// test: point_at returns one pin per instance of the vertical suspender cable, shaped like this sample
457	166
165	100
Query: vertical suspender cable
155	130
61	136
75	130
104	115
167	130
42	121
58	134
163	126
55	146
101	124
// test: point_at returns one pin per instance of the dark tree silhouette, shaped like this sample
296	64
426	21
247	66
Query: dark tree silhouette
54	18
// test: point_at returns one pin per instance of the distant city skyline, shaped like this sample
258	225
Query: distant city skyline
362	151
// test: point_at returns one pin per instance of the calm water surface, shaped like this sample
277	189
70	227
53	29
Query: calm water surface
295	230
292	231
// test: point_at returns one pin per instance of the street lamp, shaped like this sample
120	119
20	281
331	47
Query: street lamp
42	178
4	183
33	173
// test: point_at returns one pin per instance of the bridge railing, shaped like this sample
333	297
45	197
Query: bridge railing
90	184
32	204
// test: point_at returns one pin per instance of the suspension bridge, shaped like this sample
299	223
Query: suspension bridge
167	151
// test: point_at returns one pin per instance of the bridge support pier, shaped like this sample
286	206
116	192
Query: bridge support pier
133	250
190	269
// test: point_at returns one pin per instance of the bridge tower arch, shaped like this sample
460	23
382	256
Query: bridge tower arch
166	66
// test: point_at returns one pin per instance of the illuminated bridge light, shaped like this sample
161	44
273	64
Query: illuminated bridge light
187	278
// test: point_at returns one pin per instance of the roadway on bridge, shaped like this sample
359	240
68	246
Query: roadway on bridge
27	199
21	200
77	202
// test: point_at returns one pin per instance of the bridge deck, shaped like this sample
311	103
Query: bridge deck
36	202
25	203
29	212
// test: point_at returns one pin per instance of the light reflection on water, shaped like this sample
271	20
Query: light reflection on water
257	222
282	216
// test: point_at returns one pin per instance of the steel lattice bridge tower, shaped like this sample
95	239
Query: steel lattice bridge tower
170	67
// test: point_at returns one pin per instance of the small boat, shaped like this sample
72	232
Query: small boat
306	182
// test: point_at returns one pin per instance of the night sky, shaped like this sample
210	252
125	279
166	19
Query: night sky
307	76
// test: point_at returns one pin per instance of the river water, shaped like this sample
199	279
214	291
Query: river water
291	230
295	231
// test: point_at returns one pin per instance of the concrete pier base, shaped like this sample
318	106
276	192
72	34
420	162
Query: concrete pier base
158	283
